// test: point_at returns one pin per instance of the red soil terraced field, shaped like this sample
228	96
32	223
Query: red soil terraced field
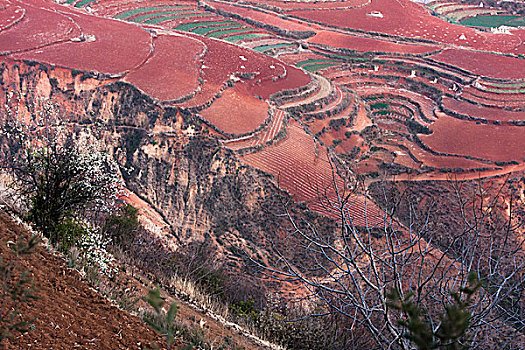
486	64
438	161
408	19
261	137
255	15
492	98
496	143
366	44
223	59
305	173
466	108
9	14
173	70
293	5
236	112
117	46
294	78
38	28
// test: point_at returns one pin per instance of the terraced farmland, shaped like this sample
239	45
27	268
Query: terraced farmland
384	93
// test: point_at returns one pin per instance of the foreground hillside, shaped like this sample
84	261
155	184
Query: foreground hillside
68	313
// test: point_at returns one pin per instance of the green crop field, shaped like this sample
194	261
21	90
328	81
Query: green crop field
505	91
190	26
236	38
229	31
380	105
133	12
158	14
83	3
505	85
318	66
493	21
263	48
314	61
168	18
205	30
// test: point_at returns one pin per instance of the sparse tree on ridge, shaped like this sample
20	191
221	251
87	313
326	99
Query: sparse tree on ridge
387	276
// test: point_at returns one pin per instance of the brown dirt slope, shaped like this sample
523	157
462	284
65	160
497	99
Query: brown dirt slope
69	314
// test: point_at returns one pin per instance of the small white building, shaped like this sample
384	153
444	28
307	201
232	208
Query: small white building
501	30
375	14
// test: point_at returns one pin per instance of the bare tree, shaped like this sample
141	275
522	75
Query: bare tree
354	271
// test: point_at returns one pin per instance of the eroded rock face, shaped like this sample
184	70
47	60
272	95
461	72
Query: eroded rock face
168	158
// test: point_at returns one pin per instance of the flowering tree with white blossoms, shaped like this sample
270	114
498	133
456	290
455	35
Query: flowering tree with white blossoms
56	172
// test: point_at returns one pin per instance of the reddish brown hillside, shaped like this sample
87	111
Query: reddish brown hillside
68	313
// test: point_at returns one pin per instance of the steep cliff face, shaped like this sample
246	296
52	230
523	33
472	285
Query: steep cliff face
167	157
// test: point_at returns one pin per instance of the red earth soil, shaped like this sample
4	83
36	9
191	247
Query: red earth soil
222	60
492	142
295	78
290	5
9	14
118	46
486	64
499	99
236	112
408	19
69	314
39	27
173	70
366	44
438	161
470	109
307	174
266	18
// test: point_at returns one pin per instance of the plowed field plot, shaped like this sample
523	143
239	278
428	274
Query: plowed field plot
114	47
495	99
419	24
294	78
222	60
486	64
267	18
9	14
438	161
294	5
496	143
307	174
38	28
82	316
236	111
351	42
173	70
469	109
